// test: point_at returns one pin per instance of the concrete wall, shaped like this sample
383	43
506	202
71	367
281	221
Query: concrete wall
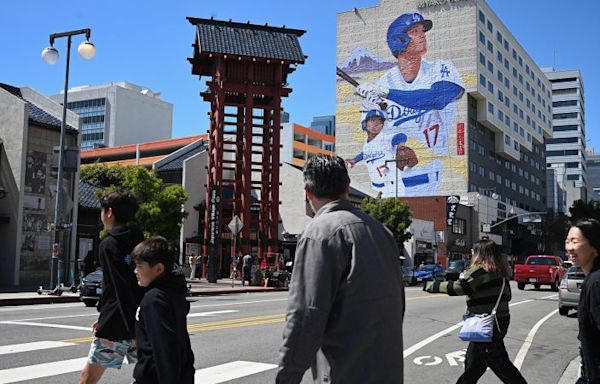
293	208
194	178
13	130
139	118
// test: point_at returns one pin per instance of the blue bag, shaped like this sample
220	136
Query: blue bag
480	328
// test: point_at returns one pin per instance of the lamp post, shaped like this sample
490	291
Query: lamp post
50	55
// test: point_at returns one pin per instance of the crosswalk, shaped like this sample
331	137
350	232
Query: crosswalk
221	373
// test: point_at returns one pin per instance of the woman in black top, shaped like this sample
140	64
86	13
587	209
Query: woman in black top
483	284
582	247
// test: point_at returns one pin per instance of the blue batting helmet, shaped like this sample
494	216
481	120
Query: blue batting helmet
397	38
372	113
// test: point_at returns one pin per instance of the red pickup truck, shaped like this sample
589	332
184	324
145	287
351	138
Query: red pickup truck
538	270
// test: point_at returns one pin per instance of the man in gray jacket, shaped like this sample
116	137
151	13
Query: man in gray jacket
346	298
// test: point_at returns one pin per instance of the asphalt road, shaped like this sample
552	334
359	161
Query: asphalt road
236	338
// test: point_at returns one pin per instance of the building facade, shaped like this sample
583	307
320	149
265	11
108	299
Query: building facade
119	113
29	132
299	143
467	111
593	174
567	145
325	125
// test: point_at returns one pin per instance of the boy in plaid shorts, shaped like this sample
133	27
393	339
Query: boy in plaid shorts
114	331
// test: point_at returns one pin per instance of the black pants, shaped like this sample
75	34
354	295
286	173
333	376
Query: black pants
480	356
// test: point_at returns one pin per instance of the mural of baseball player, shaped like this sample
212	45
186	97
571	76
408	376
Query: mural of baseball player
420	96
378	149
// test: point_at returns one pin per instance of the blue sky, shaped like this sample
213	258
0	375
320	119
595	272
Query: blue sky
147	43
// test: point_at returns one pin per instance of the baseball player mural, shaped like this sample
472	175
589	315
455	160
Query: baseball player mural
408	113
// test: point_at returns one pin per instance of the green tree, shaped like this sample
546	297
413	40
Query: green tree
393	213
160	206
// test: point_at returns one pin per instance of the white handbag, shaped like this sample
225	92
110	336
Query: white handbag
480	328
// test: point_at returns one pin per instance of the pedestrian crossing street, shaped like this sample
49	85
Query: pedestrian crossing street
211	375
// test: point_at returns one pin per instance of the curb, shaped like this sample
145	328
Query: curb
227	292
39	300
49	299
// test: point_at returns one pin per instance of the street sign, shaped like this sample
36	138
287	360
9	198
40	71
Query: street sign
485	228
235	225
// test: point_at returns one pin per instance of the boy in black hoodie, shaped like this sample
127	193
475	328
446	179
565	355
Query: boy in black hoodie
115	328
163	344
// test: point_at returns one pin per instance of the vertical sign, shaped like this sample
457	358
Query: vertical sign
460	139
451	208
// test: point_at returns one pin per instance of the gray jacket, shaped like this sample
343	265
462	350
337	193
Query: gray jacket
346	298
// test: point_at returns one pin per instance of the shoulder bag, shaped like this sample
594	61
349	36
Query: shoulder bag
480	328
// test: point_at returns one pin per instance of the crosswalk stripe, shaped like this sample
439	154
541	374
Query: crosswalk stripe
38	371
211	375
213	313
35	346
230	371
49	325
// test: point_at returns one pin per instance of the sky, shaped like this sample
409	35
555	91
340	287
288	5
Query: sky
148	43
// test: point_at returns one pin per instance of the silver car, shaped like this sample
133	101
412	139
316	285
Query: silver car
569	289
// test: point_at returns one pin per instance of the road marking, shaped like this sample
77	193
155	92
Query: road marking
34	346
409	351
550	297
424	297
213	326
38	371
529	339
521	302
427	360
456	357
88	329
58	317
230	371
213	313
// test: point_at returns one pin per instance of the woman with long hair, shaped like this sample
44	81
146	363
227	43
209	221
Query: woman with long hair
582	246
484	282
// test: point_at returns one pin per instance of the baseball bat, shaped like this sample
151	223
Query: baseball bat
340	72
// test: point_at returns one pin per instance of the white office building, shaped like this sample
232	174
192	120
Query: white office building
567	145
118	114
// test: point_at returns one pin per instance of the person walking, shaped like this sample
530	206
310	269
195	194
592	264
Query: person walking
163	343
484	282
582	246
193	261
346	298
114	331
247	269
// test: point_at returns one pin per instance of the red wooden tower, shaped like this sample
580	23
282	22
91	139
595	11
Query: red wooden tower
248	66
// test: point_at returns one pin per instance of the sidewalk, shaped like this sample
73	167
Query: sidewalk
199	287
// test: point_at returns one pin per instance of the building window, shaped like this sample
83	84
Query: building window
506	139
490	107
520	61
482	80
491	87
490	67
459	226
481	17
490	47
481	58
499	37
560	116
500	77
482	38
568	103
490	27
506	45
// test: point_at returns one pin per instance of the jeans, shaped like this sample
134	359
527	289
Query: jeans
480	356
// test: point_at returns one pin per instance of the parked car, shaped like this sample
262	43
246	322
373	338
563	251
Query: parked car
428	272
455	268
91	288
539	270
408	276
568	292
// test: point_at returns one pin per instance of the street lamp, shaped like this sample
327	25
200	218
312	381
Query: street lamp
87	50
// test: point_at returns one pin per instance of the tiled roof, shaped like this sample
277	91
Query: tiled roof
87	196
130	149
251	40
36	114
176	164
